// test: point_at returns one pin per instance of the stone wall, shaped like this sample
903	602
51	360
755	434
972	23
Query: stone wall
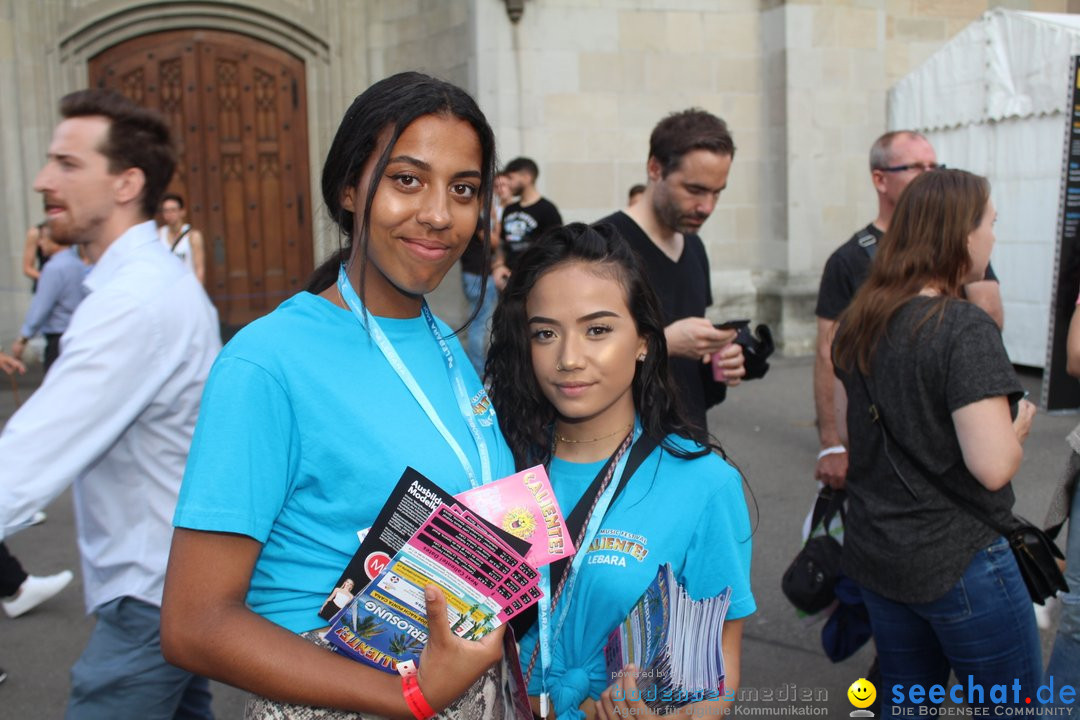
575	84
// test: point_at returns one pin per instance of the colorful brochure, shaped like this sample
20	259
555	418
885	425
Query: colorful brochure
411	502
674	641
423	536
485	581
524	505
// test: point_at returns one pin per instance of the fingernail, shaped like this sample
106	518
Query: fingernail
429	593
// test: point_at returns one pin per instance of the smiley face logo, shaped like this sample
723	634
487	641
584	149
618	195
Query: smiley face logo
862	693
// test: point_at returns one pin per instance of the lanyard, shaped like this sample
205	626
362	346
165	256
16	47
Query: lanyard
546	633
457	381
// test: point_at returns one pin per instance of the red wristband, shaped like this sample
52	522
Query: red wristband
410	688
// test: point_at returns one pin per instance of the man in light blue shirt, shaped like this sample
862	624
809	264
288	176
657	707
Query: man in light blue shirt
115	413
59	291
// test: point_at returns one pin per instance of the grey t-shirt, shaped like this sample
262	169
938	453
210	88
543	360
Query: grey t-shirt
903	548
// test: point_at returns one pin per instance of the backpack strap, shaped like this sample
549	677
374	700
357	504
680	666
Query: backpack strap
867	241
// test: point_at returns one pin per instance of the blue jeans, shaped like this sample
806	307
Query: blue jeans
121	673
983	627
1064	664
477	336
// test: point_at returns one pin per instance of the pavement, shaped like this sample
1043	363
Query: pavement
767	427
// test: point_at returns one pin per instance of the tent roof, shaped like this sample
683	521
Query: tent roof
1005	64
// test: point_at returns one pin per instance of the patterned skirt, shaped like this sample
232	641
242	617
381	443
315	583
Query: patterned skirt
489	698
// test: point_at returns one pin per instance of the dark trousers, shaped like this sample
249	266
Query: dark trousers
52	349
12	575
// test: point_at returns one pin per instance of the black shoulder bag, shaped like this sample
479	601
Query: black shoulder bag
1033	549
810	581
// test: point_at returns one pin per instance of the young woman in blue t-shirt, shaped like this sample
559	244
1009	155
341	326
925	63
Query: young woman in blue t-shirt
578	374
312	413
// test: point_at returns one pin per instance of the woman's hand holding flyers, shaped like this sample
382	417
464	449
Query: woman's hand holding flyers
616	702
450	665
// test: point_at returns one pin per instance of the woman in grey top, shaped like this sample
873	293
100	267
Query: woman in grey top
942	588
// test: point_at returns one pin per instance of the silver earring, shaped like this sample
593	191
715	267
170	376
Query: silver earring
641	357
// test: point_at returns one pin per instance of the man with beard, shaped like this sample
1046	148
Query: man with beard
115	413
690	154
526	219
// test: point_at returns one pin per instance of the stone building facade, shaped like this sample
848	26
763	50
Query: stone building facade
575	84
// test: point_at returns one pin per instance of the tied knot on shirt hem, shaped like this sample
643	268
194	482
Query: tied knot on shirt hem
568	691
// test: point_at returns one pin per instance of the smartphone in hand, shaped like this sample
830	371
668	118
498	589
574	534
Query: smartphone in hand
718	371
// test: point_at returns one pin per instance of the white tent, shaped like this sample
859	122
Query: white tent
993	100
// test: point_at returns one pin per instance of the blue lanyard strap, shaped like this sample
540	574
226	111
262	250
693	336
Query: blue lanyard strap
547	634
457	381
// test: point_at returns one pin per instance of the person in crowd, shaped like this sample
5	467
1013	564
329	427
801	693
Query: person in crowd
1064	665
528	217
34	259
896	158
313	412
504	197
59	291
634	195
481	288
690	156
22	592
115	413
184	241
942	588
578	375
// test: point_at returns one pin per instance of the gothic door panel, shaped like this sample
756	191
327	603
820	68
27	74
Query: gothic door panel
236	107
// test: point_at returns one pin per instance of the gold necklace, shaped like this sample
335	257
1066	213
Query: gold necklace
571	441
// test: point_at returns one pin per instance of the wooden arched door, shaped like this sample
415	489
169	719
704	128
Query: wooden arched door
237	109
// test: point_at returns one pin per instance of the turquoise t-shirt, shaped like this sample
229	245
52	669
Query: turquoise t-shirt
690	513
304	430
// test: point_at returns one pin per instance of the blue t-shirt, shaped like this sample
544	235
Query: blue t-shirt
304	430
690	513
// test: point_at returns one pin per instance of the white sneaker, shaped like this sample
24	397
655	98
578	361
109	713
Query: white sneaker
34	591
1044	614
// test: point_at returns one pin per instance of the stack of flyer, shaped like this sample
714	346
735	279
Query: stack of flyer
481	549
674	641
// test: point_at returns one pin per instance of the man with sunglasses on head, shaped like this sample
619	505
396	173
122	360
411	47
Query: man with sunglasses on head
896	158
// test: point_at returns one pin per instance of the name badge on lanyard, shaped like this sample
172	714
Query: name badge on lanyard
457	381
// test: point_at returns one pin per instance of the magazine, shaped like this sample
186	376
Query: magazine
674	641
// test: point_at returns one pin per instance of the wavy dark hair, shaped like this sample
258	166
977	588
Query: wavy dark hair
525	415
379	115
926	245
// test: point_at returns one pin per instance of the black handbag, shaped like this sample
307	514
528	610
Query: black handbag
810	581
1034	550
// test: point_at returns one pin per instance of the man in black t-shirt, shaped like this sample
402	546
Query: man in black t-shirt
896	158
530	216
690	156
